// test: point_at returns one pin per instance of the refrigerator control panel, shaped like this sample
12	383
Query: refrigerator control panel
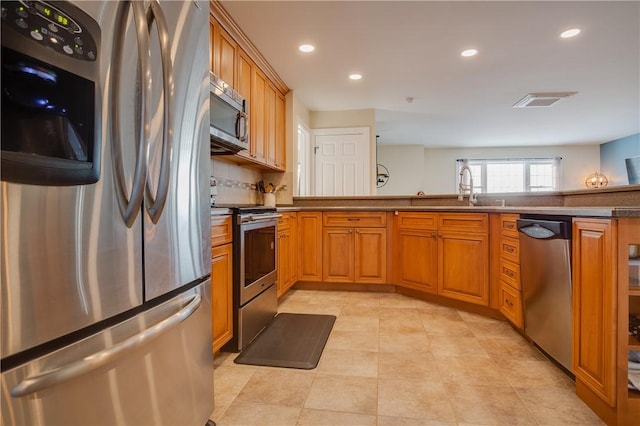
50	26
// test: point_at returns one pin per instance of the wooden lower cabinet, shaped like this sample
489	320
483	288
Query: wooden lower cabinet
370	255
416	259
338	255
443	253
354	254
594	307
510	304
506	294
287	252
222	294
309	246
463	272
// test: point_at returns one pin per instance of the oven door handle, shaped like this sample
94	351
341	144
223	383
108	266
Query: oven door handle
262	218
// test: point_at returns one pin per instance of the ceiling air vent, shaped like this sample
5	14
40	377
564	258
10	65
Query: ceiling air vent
542	99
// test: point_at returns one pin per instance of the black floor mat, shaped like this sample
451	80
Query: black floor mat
290	341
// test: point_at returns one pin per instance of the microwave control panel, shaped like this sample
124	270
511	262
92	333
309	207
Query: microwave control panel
50	26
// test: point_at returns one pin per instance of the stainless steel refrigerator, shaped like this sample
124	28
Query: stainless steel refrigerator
104	218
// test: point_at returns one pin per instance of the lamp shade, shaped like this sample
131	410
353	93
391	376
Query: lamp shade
596	180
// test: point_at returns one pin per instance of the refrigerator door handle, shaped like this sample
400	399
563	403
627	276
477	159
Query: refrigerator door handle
156	204
129	202
89	363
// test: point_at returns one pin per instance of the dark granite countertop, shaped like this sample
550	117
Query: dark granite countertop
560	211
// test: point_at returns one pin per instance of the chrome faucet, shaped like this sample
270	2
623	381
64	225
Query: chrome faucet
462	187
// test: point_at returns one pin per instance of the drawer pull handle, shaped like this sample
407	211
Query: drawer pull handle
353	218
508	303
507	272
509	225
509	249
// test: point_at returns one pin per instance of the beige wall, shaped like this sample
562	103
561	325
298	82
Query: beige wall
406	165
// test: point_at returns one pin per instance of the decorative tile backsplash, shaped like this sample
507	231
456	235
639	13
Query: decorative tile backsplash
232	183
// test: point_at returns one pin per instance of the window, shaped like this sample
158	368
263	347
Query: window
512	174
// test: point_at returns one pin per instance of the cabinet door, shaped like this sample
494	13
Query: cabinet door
284	261
257	118
270	123
338	256
227	57
463	271
222	295
310	246
370	245
416	259
213	24
510	304
293	249
281	142
594	306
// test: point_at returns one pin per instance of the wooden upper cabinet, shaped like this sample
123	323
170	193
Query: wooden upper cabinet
594	306
227	65
222	53
264	92
243	78
281	132
213	24
258	115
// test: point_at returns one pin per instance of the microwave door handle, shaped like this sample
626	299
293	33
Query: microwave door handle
129	202
241	125
64	373
155	204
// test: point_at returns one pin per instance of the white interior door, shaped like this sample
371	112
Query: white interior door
342	161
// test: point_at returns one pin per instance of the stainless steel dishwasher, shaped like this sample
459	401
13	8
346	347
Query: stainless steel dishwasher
545	271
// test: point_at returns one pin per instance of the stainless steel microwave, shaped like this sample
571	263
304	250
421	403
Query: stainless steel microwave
228	119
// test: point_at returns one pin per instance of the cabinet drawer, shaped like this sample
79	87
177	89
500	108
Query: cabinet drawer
510	273
464	222
508	226
359	220
410	220
510	304
284	222
221	230
510	249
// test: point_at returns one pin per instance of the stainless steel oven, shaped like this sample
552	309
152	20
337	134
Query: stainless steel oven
255	272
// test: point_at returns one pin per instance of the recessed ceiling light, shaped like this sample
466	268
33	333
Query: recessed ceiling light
355	76
469	52
306	48
570	33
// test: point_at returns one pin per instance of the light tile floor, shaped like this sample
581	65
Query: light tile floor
394	360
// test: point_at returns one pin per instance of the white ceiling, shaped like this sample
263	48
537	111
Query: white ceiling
411	49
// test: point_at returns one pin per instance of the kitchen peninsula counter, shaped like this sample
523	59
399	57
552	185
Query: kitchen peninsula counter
619	201
549	211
